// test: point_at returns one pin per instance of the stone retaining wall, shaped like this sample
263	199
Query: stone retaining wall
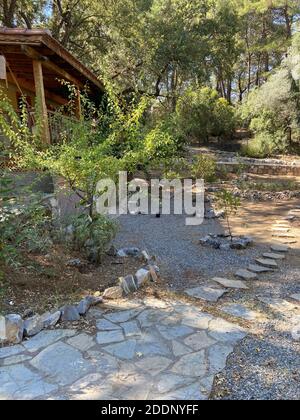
262	169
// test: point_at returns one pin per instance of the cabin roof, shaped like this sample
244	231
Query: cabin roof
13	40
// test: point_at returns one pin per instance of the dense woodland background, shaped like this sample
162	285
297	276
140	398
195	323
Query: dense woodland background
182	53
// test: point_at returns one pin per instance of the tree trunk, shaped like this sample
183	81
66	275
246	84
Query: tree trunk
9	10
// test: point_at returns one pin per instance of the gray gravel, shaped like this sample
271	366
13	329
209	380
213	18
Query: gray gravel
178	249
266	365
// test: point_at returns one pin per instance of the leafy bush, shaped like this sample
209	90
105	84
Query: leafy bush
204	167
263	145
272	111
201	113
227	201
176	168
159	144
25	225
93	235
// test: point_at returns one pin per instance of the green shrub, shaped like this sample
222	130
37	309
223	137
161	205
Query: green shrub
159	144
201	113
227	201
94	236
204	167
25	225
263	145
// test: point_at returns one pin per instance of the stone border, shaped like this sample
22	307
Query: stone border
261	168
13	328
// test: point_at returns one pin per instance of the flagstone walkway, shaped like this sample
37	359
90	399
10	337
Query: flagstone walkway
150	349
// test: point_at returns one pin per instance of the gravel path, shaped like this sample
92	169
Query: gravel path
178	249
266	364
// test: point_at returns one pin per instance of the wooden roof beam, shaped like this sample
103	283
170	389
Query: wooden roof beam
26	85
35	55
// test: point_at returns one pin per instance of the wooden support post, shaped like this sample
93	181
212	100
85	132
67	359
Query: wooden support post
78	111
41	99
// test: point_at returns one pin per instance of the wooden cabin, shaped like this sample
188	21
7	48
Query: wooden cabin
32	65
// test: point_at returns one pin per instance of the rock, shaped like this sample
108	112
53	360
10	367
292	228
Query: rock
50	319
273	256
113	293
154	365
11	351
296	297
267	262
105	325
76	262
279	248
281	229
124	350
108	337
225	247
213	214
142	277
86	303
231	284
17	382
46	338
33	326
129	252
246	275
284	235
69	313
206	293
13	326
128	284
194	365
82	342
28	313
62	364
210	241
259	269
146	256
153	272
199	341
241	242
224	331
123	316
240	311
131	329
112	252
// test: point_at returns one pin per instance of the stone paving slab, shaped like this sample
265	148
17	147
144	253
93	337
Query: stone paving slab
273	256
259	269
279	248
267	262
296	297
246	275
240	311
170	350
206	293
230	284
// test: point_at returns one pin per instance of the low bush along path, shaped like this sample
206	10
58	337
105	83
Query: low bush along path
210	333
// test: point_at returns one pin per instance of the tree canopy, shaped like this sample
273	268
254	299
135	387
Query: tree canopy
159	47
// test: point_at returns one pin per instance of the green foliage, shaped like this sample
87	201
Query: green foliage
227	201
269	186
25	225
204	167
93	235
201	113
159	144
176	168
263	145
273	110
